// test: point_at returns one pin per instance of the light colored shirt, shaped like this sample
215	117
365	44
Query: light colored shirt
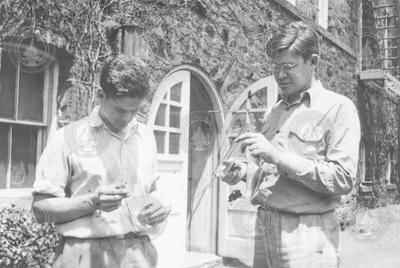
319	136
86	155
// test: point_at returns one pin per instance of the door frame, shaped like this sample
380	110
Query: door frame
229	246
219	112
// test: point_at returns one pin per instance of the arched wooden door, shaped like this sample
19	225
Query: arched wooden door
168	117
237	217
186	118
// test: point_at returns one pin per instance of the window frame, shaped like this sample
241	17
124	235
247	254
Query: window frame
50	86
322	14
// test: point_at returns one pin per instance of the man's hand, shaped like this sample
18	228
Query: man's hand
108	198
154	213
234	171
259	146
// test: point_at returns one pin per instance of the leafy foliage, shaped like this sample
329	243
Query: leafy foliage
24	243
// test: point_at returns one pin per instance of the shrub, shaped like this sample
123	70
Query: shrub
23	242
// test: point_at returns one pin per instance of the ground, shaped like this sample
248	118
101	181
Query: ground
372	242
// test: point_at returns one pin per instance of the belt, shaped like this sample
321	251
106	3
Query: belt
130	235
273	209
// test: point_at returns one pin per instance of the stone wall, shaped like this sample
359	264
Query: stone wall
228	41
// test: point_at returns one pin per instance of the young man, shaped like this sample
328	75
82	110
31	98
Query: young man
311	136
95	176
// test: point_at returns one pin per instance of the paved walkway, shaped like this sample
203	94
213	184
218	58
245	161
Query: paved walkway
372	242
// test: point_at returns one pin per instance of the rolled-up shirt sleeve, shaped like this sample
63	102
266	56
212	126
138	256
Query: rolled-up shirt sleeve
52	170
334	175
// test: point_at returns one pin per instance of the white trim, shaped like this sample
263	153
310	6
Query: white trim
323	6
268	82
15	192
322	14
174	163
9	151
209	86
22	122
50	86
16	95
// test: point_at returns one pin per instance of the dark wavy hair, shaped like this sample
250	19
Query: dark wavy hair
124	76
298	37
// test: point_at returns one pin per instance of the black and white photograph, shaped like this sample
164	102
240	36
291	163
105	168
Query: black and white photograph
199	133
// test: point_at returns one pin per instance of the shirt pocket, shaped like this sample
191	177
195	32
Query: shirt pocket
309	143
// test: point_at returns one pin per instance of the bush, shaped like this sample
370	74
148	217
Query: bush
23	242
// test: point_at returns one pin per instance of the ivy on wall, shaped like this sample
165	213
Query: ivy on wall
378	111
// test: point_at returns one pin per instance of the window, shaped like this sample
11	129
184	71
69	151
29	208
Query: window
167	124
316	10
24	102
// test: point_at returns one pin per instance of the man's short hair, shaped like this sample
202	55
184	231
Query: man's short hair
298	37
124	76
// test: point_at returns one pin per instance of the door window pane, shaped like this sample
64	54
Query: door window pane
176	92
23	156
30	105
160	117
174	143
175	117
3	154
160	141
7	86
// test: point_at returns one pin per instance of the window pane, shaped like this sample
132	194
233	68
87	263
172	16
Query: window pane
176	92
160	117
174	143
7	86
30	105
3	154
23	156
175	116
160	141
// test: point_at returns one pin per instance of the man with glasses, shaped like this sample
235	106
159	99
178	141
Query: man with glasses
311	136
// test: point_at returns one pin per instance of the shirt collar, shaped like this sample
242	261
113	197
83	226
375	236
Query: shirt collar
307	96
96	121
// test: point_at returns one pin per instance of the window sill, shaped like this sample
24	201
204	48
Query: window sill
391	186
13	193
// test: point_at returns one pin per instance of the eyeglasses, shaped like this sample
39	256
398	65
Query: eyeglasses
284	67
